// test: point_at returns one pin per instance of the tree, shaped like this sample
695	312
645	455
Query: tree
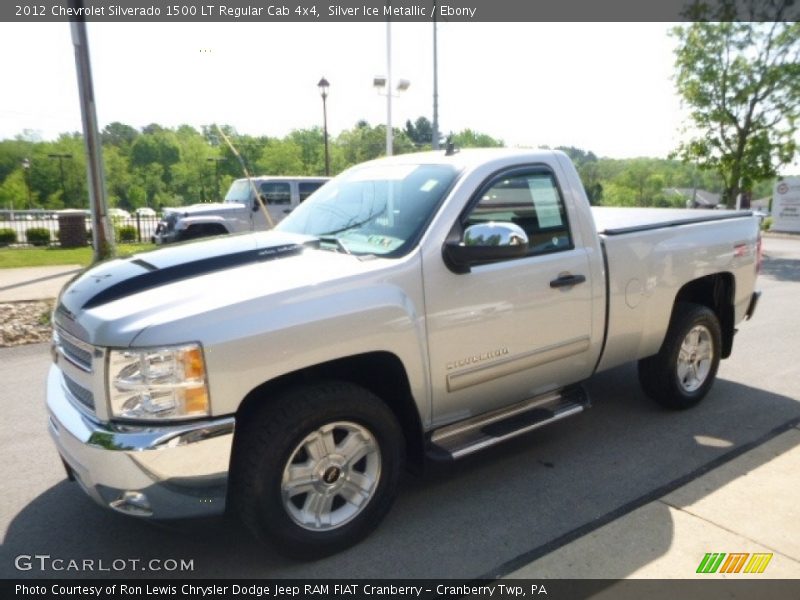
741	81
420	132
468	138
281	157
312	150
586	165
365	142
13	191
119	135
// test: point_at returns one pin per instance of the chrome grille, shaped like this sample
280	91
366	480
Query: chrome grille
81	394
77	352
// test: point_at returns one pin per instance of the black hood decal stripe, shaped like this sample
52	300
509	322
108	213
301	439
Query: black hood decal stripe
155	277
144	264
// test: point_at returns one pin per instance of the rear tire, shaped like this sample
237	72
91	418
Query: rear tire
315	471
683	371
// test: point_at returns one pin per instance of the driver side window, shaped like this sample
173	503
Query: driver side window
531	200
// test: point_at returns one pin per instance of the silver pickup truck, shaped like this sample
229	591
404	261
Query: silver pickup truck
416	308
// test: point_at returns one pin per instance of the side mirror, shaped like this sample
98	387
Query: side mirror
255	203
486	242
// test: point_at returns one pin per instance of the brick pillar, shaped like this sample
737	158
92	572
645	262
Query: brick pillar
72	228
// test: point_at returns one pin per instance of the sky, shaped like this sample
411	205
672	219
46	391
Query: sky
602	87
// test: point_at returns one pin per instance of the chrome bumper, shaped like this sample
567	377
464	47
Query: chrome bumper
162	472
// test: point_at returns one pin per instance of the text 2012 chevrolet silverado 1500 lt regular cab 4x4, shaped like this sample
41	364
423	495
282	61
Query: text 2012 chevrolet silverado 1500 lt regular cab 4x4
420	306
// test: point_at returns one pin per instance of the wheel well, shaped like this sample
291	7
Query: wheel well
197	230
382	373
716	292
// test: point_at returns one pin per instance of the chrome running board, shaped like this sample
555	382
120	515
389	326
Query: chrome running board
471	435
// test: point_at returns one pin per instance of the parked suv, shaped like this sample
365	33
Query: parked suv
239	211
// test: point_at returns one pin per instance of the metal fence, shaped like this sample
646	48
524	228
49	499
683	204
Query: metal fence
134	229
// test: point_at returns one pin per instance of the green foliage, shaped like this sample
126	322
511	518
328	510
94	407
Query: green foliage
588	168
7	236
55	255
118	135
420	132
38	236
126	233
474	139
158	167
741	81
13	191
766	224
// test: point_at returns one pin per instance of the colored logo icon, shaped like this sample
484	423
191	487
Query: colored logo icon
735	562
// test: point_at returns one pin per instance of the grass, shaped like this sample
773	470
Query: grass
43	257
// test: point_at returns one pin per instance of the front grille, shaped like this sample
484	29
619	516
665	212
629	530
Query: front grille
72	351
77	352
81	394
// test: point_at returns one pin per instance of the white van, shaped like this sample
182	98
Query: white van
239	211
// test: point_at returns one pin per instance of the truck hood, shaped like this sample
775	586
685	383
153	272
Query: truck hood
145	275
213	208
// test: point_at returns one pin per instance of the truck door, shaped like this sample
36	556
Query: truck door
277	196
306	188
510	329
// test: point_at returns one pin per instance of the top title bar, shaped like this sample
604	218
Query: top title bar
321	11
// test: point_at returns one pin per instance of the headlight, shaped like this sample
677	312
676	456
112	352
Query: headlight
158	383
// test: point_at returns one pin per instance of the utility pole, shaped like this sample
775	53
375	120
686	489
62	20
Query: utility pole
323	86
435	124
102	233
389	132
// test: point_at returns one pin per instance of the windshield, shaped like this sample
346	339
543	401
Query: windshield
239	191
374	209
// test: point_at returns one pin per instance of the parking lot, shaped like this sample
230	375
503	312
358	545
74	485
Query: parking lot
485	516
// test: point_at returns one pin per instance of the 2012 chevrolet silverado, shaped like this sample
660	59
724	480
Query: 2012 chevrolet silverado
417	307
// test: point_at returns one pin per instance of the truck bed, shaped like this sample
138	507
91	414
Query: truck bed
617	220
651	252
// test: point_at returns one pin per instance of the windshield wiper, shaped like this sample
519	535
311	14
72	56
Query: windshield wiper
354	224
332	239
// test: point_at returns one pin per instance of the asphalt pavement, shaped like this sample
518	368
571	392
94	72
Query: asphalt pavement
625	489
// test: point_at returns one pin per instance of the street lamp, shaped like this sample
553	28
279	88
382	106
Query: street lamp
323	86
216	161
26	166
61	158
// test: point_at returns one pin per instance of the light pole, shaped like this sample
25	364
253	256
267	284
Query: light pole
61	158
383	85
435	124
323	86
216	160
26	166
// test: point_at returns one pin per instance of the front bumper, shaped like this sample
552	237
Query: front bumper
165	237
159	471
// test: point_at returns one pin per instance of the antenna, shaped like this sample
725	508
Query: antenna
450	146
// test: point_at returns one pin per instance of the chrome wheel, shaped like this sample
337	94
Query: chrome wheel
331	476
695	358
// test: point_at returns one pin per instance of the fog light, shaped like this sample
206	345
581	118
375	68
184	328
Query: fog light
133	503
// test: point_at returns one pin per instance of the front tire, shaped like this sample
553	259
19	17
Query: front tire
683	371
315	471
